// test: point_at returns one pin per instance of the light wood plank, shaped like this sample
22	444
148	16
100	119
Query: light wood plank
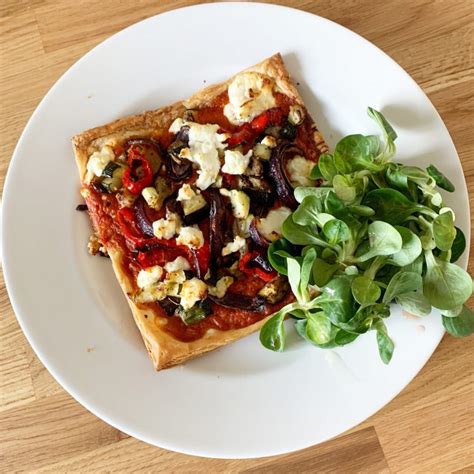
16	386
358	452
68	23
19	60
51	429
16	7
438	401
42	381
465	470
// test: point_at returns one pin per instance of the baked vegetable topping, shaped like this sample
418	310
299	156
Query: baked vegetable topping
197	206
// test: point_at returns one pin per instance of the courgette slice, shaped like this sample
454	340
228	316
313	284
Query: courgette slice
112	177
197	313
109	169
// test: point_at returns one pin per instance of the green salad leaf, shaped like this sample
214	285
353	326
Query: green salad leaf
272	334
440	179
365	290
411	248
371	234
326	167
336	299
391	205
401	283
444	231
414	303
384	239
459	245
461	325
385	344
278	251
318	327
445	285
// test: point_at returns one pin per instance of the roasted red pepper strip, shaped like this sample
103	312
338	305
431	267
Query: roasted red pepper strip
152	257
228	180
245	134
138	175
248	270
128	226
244	261
248	132
265	276
118	150
203	257
160	256
260	123
270	117
169	250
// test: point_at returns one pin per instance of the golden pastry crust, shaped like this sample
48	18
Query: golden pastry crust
273	67
142	125
166	351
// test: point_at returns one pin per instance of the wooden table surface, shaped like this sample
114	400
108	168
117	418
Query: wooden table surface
427	428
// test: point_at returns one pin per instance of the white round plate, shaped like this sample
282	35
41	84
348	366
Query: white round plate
241	401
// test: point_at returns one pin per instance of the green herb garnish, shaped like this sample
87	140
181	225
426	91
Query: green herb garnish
375	233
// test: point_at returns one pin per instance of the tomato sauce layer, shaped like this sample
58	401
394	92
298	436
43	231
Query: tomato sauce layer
103	209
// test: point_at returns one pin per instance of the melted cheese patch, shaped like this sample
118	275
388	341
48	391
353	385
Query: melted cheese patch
235	162
167	228
221	287
98	161
203	150
239	201
179	263
149	276
299	169
191	236
192	291
234	246
270	226
250	94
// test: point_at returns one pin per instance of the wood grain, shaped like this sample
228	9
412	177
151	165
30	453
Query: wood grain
356	452
16	385
429	427
65	428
